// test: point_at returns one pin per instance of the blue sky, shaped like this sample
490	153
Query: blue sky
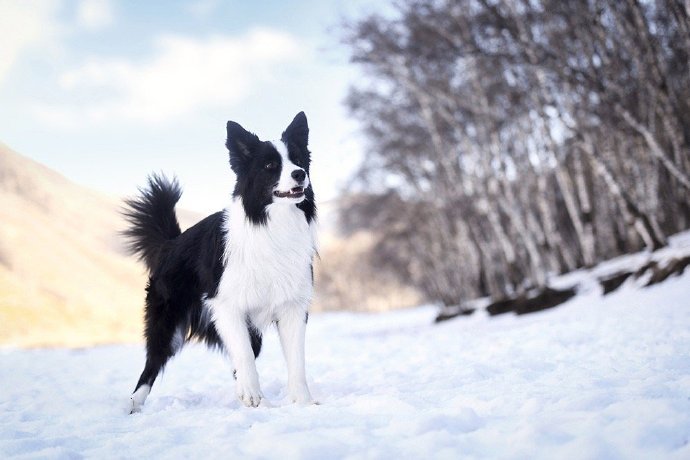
106	92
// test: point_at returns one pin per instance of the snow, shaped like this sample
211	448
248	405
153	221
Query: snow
598	377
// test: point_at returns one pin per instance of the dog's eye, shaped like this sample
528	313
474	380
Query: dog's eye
271	165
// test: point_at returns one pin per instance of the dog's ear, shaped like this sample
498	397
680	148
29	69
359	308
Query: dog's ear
297	132
241	144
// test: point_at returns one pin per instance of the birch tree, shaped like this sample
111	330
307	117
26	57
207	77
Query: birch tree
510	140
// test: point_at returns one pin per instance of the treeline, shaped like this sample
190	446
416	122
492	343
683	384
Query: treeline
513	139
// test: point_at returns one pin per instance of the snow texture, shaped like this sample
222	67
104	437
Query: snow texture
596	378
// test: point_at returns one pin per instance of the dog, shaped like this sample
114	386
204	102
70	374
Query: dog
236	272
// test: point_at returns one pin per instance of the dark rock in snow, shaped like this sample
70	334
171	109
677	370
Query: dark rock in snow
613	282
452	312
533	301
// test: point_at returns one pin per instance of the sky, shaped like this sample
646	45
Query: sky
107	91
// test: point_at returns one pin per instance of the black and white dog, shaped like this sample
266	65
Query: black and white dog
228	277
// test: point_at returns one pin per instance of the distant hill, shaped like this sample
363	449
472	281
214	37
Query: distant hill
65	277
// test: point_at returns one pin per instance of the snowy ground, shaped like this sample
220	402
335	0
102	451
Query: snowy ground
599	377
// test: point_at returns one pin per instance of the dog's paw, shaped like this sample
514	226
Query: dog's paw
301	396
250	395
133	408
136	401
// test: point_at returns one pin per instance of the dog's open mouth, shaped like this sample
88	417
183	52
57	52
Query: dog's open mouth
296	192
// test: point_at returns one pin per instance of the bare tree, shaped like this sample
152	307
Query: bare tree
513	139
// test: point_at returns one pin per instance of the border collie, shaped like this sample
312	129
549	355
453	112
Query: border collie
227	278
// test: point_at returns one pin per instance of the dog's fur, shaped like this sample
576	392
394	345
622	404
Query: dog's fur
228	277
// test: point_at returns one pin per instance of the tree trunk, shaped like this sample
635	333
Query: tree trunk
633	215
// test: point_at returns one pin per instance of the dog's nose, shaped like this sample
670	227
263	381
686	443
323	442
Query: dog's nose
299	175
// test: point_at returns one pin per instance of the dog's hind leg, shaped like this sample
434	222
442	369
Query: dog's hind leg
163	340
143	388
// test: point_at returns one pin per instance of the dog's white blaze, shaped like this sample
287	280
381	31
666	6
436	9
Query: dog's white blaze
267	277
286	181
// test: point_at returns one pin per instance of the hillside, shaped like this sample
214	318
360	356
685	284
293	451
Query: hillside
64	275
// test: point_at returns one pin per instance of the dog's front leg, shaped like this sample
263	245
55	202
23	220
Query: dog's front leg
291	329
232	328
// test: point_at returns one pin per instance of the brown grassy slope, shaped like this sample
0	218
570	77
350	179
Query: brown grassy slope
64	276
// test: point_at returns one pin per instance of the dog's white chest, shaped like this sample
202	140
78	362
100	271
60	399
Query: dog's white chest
266	266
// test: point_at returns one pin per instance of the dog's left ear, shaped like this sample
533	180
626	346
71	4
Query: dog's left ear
241	144
297	132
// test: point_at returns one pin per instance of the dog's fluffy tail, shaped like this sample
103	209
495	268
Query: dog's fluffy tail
152	218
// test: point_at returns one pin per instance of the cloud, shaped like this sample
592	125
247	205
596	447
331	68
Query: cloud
95	14
24	24
184	75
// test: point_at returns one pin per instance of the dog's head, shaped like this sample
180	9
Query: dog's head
270	171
